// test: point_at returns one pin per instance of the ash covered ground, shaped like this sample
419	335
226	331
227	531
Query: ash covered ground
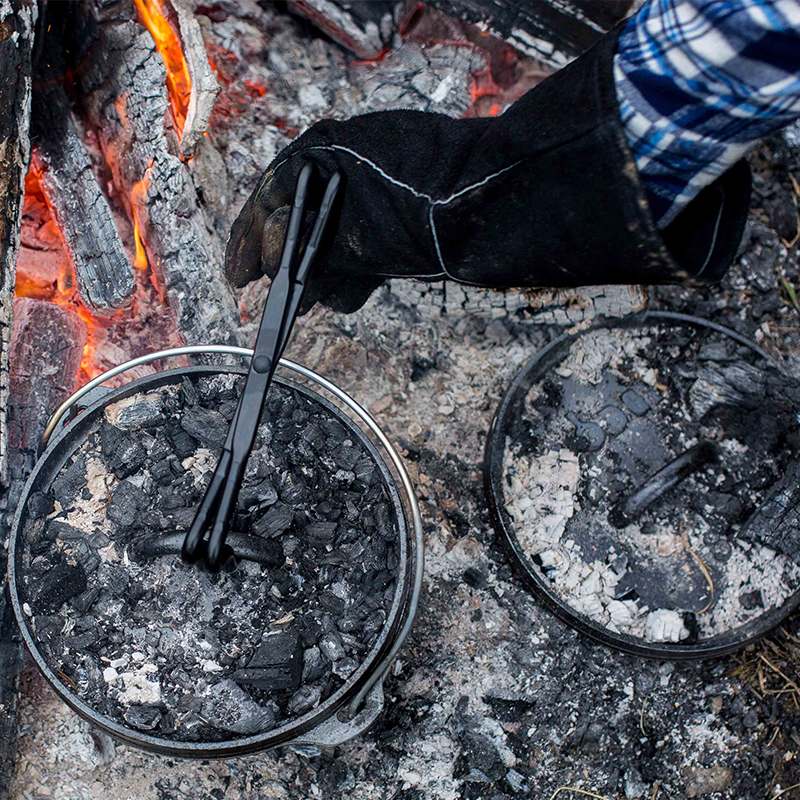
492	697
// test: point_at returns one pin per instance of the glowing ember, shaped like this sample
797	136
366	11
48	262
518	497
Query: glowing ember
155	18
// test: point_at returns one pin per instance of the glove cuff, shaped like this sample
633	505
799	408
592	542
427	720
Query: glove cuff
582	214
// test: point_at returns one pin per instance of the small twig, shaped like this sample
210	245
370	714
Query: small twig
790	290
583	792
783	791
788	680
656	787
641	716
774	736
706	575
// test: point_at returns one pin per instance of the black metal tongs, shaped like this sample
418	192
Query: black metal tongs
286	292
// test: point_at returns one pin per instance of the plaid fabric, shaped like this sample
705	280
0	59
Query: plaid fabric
698	82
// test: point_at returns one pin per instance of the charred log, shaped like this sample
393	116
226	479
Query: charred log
553	31
17	19
103	274
16	43
365	27
204	86
46	350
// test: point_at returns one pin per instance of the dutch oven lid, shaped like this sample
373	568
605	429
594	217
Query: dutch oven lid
643	474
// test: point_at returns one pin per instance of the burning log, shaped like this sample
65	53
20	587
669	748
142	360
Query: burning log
47	346
121	79
178	37
103	273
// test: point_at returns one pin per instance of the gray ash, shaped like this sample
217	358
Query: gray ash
163	648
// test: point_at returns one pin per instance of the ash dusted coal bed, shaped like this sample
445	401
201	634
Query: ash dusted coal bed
163	648
602	428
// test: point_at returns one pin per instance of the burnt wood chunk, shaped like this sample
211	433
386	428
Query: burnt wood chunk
276	665
56	587
103	273
17	19
365	27
554	31
16	40
776	523
46	350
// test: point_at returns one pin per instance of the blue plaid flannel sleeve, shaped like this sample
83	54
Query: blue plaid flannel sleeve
699	81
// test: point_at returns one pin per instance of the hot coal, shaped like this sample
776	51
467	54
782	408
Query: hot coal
162	647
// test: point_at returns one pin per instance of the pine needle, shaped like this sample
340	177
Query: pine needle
782	791
583	792
706	575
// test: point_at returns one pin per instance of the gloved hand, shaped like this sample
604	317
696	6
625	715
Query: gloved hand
545	195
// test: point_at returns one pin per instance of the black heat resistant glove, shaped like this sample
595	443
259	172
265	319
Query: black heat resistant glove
545	195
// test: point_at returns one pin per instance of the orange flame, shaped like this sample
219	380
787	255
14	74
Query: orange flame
137	204
168	44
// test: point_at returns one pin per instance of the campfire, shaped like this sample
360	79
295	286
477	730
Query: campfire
151	120
140	126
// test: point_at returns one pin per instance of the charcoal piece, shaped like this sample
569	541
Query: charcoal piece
304	699
99	540
320	533
230	708
115	579
81	641
188	393
365	470
312	434
56	587
346	457
276	665
333	603
161	472
145	413
205	425
128	457
383	518
263	493
331	646
84	601
275	521
40	505
58	529
293	490
776	522
345	667
87	557
126	502
314	665
752	599
335	434
143	718
179	519
182	443
69	483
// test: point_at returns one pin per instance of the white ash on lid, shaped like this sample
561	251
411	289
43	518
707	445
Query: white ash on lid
618	407
156	644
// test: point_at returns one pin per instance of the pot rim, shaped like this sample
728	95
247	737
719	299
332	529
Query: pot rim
372	668
720	644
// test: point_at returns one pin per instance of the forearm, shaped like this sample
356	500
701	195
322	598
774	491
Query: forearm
698	82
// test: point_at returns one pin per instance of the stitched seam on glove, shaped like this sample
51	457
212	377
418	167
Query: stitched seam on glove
433	202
